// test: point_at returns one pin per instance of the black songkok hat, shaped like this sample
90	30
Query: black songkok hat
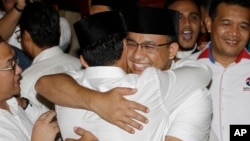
102	2
96	27
152	20
117	4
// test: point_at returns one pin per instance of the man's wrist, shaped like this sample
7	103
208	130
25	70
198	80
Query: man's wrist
18	8
26	101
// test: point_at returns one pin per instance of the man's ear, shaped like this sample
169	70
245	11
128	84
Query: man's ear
173	48
27	43
26	36
124	43
208	22
84	63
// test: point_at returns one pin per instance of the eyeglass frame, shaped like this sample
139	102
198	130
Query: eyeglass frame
147	45
14	63
18	35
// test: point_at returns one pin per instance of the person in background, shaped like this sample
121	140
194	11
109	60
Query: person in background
226	54
14	123
204	36
8	5
189	25
8	23
12	17
39	35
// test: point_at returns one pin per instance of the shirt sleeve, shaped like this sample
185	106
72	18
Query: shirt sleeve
188	100
182	81
191	120
78	75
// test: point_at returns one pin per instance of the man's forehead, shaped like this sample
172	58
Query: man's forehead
146	36
6	52
230	10
185	4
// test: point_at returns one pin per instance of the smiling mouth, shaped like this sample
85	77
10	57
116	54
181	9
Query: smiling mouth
141	67
232	42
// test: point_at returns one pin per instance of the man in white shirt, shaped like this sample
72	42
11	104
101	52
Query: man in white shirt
226	55
14	123
40	33
110	105
158	90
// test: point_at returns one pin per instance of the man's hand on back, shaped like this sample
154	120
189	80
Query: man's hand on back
114	108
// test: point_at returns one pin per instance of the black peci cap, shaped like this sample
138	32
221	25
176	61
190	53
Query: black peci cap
152	20
96	27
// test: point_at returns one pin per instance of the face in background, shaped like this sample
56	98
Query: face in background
139	59
10	79
189	23
8	4
229	31
204	16
98	8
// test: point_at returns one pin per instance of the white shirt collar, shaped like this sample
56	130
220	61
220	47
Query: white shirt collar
104	72
48	53
185	54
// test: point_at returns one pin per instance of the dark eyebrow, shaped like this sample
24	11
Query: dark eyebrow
12	58
9	61
130	39
195	13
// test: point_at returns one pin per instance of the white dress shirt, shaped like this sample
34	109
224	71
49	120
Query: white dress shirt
163	92
50	61
230	92
14	126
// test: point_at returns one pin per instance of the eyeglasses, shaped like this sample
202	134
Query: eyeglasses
147	47
12	66
18	35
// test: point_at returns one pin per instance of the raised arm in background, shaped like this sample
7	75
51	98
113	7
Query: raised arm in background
10	20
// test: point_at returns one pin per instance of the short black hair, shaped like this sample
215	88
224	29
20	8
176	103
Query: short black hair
205	3
215	3
105	52
170	2
41	21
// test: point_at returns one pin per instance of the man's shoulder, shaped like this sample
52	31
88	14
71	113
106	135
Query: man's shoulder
70	57
185	62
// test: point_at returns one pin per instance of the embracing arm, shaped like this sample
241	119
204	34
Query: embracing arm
63	90
192	119
9	21
171	138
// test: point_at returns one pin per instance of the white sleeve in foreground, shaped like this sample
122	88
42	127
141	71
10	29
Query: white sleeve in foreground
191	121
